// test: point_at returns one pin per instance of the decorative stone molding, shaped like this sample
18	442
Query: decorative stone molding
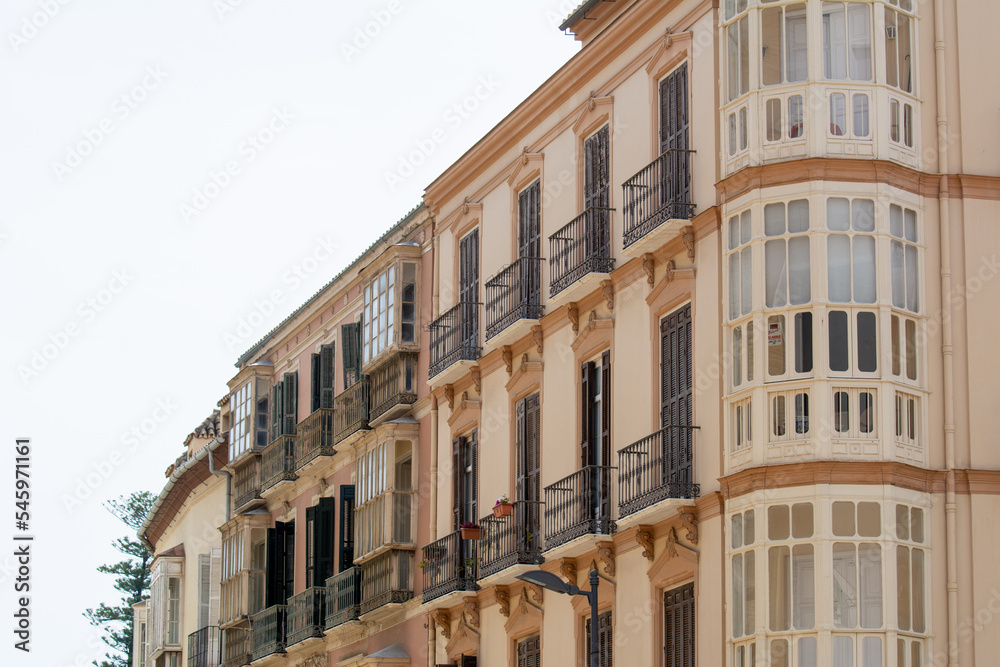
502	596
508	358
536	592
443	618
323	485
671	544
568	569
649	267
608	289
536	336
477	378
671	268
449	394
286	506
689	521
687	238
573	313
644	538
471	612
606	554
315	661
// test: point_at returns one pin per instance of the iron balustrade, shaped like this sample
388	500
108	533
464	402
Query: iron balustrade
386	579
455	337
306	614
514	293
511	540
343	597
204	647
579	505
246	483
393	382
581	247
660	192
654	469
448	564
385	520
351	409
236	650
314	437
268	630
277	462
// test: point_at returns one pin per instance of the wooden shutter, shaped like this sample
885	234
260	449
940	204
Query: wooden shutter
675	395
350	347
674	124
327	384
529	652
468	661
277	409
346	526
605	640
529	244
215	587
521	445
533	472
587	405
474	455
291	381
204	589
606	407
596	169
288	545
468	271
456	481
324	540
678	627
314	383
310	547
274	568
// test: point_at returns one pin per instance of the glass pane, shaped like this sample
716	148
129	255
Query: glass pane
750	337
737	356
776	345
843	652
918	591
774	219
912	293
910	216
891	62
745	222
845	585
834	37
867	347
800	288
775	274
795	43
896	341
778	423
903	587
748	527
864	269
866	412
737	523
841	412
859	37
897	269
734	285
743	128
738	595
896	220
902	522
894	120
732	134
770	40
795	124
733	67
803	343
838	115
838	258
734	232
798	216
870	577
871	652
905	61
779	653
777	522
807	652
916	651
779	580
803	587
863	215
860	121
911	349
801	413
750	594
839	341
843	519
917	524
802	520
746	280
744	55
773	119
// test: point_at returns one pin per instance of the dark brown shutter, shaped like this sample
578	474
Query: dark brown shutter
327	389
606	407
674	125
678	627
474	455
273	569
350	347
346	526
596	176
529	652
675	395
456	481
521	445
605	640
530	244
324	540
291	382
314	383
468	271
586	404
277	409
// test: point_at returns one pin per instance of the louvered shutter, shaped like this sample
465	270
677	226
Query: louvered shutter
605	640
311	579
468	661
288	556
291	381
521	445
529	243
532	457
587	405
676	395
215	588
327	355
346	526
596	176
473	502
529	652
274	569
456	481
674	125
204	589
606	407
678	627
277	409
314	383
325	535
351	352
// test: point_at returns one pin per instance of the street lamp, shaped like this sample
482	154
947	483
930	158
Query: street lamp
551	582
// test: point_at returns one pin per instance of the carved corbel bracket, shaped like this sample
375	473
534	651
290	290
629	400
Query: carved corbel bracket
502	596
689	521
508	359
536	336
687	238
606	554
568	569
649	267
477	378
671	268
534	590
671	544
471	612
644	538
443	618
449	393
573	313
608	289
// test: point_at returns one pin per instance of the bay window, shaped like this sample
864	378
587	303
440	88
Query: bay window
899	47
737	49
389	318
786	259
740	265
783	44
248	415
847	41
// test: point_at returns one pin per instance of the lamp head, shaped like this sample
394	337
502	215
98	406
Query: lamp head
549	582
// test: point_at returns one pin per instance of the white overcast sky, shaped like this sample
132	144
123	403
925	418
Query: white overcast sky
114	113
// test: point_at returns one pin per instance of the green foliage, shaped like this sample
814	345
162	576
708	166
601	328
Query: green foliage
131	580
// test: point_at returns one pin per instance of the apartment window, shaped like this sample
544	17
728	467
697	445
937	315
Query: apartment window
280	567
371	476
854	413
849	115
786	259
743	352
738	131
783	44
742	424
851	250
899	47
173	610
907	406
346	527
905	270
678	627
142	645
904	347
320	542
853	352
797	341
596	412
284	405
350	350
778	128
901	122
740	265
381	321
789	414
744	568
249	413
737	50
322	379
529	653
605	640
465	471
847	41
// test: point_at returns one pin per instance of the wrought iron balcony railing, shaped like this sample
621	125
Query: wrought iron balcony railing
236	651
204	647
386	579
246	483
448	564
514	293
654	469
277	462
579	505
581	247
351	409
268	630
511	540
660	192
385	520
343	597
306	614
455	337
314	437
394	383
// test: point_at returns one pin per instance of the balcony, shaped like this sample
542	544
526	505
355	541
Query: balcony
343	597
449	564
351	410
384	522
657	202
246	485
454	340
514	296
511	540
268	630
386	579
580	250
306	614
277	463
656	468
579	505
314	437
393	386
204	648
236	649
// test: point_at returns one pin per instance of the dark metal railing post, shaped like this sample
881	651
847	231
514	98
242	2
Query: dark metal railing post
660	191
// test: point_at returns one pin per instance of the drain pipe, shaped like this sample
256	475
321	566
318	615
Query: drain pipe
947	350
435	308
219	439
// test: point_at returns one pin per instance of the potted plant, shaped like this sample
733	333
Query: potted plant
502	507
471	531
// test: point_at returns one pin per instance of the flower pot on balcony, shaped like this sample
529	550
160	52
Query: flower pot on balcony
472	533
501	510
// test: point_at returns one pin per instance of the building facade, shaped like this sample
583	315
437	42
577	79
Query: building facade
709	313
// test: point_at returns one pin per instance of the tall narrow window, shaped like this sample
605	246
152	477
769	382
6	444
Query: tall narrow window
786	260
738	56
847	49
527	488
851	252
898	50
605	640
322	379
679	627
740	265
